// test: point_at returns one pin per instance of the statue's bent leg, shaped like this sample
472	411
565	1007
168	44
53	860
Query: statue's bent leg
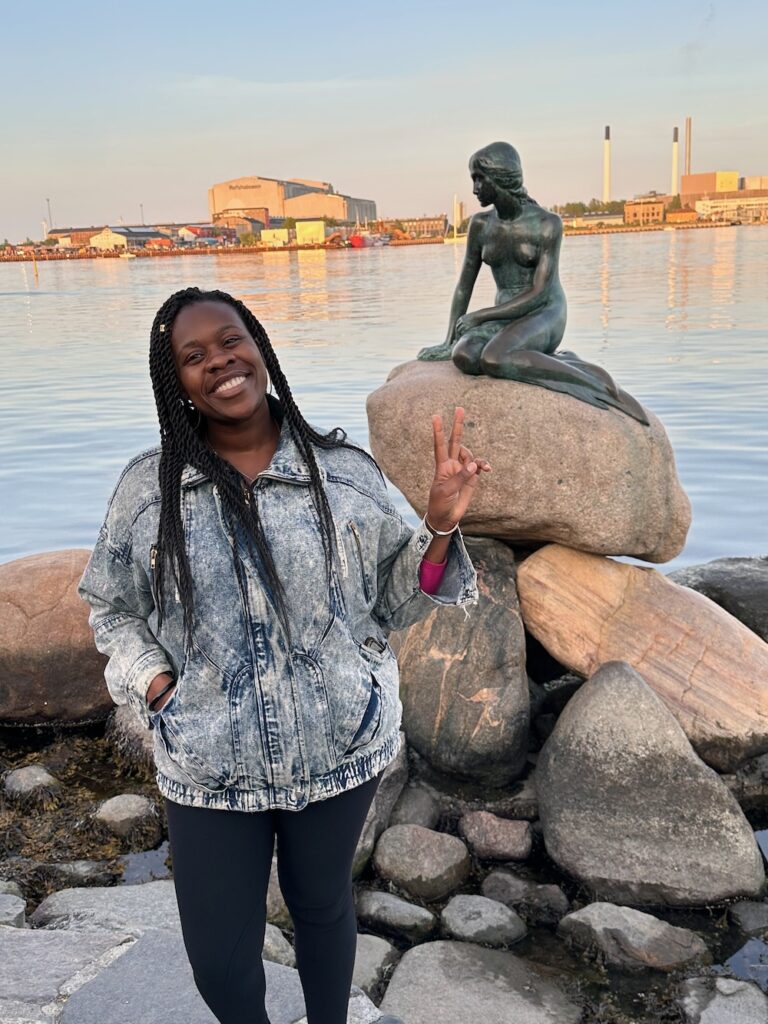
468	350
530	334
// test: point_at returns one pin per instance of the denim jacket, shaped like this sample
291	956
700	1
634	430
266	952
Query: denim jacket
255	722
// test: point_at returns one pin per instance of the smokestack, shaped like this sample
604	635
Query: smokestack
674	188
687	145
607	165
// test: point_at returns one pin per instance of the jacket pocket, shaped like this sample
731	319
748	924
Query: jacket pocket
369	725
194	725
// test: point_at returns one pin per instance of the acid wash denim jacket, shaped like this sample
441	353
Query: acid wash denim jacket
256	723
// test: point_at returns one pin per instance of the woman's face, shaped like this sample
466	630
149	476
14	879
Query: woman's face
218	363
482	186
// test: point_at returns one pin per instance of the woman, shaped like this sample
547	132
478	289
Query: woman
517	338
243	584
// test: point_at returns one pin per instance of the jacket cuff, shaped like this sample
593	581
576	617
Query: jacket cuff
459	582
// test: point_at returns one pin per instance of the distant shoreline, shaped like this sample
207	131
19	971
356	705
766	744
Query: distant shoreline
615	229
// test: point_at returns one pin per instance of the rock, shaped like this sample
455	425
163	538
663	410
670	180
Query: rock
457	982
631	939
557	692
387	794
392	915
426	864
359	1011
457	797
82	872
722	1001
739	585
750	917
133	817
373	959
563	470
8	886
132	990
277	948
416	806
131	909
493	838
50	671
463	682
479	919
32	786
710	670
13	910
41	967
628	809
537	904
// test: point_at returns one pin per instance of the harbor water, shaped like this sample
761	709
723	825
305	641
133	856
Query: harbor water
677	317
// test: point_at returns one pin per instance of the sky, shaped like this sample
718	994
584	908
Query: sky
109	107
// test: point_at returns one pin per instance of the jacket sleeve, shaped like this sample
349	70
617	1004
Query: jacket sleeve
400	601
118	592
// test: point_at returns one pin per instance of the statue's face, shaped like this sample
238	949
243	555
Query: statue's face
482	185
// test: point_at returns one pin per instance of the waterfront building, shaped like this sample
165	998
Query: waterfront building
276	198
418	227
747	207
74	238
595	218
686	216
124	238
647	209
695	186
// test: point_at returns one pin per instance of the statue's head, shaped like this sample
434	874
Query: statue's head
497	168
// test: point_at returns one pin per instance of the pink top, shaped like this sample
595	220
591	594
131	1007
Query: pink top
430	575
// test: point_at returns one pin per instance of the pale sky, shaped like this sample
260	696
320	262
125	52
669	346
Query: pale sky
150	103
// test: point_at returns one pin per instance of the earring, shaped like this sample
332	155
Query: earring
189	408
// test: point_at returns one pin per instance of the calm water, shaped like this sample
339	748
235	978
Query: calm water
678	318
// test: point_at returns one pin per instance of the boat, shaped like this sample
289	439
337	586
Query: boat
127	255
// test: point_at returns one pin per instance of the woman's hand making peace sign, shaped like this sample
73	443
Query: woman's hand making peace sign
456	475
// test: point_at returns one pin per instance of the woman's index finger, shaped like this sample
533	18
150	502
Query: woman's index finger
441	448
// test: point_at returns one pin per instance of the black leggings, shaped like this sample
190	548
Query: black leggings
221	864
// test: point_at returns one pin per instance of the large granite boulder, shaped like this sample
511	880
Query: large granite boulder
740	585
50	670
629	809
463	682
710	669
563	470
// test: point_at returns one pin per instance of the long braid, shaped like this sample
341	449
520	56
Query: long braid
182	443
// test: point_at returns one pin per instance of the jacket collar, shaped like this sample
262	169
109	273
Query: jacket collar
287	463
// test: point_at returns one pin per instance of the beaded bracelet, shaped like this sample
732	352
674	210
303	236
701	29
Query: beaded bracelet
157	696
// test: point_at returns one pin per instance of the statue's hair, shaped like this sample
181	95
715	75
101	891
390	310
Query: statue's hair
183	443
500	162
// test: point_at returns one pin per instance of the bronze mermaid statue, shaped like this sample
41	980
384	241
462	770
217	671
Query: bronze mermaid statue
517	338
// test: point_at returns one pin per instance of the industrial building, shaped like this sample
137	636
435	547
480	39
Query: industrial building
267	199
124	238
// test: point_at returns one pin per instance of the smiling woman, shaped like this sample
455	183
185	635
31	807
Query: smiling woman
243	585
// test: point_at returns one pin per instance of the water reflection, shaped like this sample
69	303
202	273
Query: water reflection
653	308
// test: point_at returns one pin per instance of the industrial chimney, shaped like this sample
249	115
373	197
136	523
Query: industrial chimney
607	165
687	145
674	187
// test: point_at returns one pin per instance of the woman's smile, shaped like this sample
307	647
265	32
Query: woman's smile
229	387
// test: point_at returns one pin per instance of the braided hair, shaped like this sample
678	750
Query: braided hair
183	443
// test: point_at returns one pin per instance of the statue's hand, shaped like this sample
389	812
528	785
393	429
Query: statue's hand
436	352
467	322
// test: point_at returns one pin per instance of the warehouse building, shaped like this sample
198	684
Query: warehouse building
267	199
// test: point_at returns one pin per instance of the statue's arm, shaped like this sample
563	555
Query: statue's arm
535	296
470	269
